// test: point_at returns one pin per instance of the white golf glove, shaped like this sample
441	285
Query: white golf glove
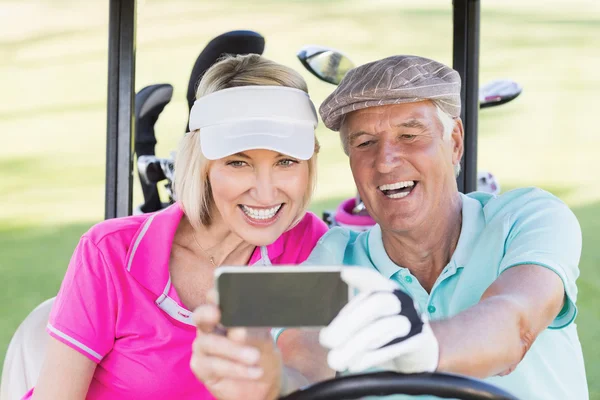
380	327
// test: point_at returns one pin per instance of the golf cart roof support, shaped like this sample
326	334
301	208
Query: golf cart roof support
466	15
121	92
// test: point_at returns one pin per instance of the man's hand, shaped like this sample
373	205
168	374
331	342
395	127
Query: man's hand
380	327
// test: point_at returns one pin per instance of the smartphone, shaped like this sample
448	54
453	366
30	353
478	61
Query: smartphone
280	296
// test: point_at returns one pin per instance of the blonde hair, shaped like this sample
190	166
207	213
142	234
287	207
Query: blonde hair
447	121
191	184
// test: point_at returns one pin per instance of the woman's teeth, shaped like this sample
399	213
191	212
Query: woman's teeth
261	213
397	190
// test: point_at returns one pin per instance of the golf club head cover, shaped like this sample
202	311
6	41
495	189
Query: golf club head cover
149	104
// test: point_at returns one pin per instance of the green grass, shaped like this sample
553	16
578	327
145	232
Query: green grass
53	60
589	286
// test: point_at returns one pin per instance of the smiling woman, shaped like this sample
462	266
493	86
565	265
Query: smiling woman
259	189
248	160
243	178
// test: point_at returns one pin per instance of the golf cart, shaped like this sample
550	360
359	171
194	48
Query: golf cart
121	94
119	182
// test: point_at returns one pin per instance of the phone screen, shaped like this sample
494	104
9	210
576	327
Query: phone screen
281	299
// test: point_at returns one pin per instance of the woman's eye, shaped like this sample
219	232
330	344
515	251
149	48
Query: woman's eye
287	162
236	163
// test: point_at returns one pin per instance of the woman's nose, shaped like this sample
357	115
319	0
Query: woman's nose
264	190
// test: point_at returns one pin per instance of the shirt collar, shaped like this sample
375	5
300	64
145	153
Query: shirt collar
150	252
379	257
274	250
472	223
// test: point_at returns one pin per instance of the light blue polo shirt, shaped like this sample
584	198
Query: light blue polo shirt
523	226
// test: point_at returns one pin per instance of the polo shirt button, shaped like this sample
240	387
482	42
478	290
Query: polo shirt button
431	309
408	279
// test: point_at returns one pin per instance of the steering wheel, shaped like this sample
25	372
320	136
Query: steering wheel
389	383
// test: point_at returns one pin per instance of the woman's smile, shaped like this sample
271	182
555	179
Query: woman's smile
261	215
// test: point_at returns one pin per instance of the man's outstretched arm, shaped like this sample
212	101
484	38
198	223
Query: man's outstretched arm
380	327
492	337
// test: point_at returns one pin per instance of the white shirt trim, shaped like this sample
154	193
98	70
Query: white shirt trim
138	240
74	342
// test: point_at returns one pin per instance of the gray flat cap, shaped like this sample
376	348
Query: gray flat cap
393	80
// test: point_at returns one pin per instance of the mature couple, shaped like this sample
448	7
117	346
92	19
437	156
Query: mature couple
473	284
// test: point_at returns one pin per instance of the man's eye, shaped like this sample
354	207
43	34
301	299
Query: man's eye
287	162
365	143
408	137
236	163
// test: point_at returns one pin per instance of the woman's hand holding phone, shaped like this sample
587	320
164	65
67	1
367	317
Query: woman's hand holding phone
237	363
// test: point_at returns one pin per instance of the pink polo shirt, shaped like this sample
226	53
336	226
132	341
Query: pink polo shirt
117	307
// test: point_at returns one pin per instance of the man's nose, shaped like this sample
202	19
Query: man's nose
264	190
388	156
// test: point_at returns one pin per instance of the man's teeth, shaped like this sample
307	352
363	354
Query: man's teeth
398	195
397	185
261	213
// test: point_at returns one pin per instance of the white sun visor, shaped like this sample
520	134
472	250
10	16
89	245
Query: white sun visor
243	118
